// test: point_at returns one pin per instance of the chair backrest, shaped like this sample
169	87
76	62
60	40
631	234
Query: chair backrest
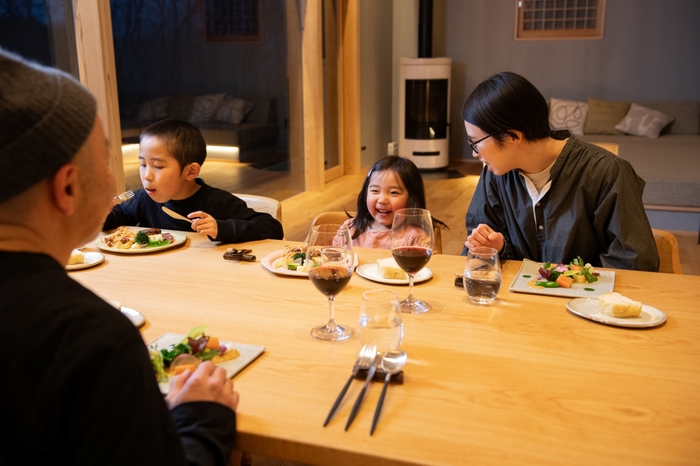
669	255
331	217
262	204
341	217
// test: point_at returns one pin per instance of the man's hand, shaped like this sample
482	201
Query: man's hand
204	224
483	235
207	383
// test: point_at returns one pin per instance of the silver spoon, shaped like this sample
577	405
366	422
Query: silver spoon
392	363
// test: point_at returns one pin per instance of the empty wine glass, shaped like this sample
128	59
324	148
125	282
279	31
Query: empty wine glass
412	241
329	260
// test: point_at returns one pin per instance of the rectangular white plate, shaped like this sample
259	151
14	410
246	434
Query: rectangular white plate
248	353
529	271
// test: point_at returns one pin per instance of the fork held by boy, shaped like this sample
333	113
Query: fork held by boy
125	196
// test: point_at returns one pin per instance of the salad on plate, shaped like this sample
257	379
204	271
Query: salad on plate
194	347
564	275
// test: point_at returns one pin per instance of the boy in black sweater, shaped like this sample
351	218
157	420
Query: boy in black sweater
171	155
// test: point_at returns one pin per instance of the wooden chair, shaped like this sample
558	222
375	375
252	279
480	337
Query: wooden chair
669	256
263	204
331	217
341	217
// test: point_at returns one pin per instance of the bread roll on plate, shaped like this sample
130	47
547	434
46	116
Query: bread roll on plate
616	305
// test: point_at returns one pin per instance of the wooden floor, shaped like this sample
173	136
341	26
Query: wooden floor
447	198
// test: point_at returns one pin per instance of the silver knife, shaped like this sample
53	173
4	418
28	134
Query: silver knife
370	375
174	214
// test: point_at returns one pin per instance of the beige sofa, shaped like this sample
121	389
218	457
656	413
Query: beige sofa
660	139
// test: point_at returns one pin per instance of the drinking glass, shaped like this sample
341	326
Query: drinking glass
482	275
380	320
412	242
330	269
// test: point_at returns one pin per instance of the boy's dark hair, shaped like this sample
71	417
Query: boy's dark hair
407	172
507	101
182	139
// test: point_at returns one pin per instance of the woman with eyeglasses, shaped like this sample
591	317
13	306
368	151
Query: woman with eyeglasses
546	195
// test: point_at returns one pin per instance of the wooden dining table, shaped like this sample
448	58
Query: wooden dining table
520	381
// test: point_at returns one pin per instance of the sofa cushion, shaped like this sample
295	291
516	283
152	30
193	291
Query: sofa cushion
642	121
567	114
603	115
206	106
153	110
686	116
231	110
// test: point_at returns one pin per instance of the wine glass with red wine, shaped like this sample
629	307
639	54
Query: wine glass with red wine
412	242
329	260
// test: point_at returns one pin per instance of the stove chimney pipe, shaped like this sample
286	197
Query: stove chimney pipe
425	29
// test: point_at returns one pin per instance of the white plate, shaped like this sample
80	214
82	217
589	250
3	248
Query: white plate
180	237
134	316
529	272
91	259
269	260
588	309
248	353
371	272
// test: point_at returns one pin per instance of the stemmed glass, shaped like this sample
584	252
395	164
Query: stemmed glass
412	242
329	260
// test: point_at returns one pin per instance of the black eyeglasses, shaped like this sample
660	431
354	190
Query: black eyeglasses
473	144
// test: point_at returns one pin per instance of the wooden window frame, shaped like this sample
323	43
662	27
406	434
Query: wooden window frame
559	33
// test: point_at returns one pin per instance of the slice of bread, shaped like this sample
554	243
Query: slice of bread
76	257
388	268
616	305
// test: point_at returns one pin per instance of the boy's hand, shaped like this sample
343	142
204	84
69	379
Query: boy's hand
204	224
483	235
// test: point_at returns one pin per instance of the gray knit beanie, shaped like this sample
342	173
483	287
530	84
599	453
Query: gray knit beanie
45	118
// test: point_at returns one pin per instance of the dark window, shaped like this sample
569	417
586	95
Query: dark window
231	20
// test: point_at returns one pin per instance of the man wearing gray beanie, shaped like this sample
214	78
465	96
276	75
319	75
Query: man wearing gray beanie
77	384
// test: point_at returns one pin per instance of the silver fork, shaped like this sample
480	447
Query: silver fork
125	196
364	361
370	375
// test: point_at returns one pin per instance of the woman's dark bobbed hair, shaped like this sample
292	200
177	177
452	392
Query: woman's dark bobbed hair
507	101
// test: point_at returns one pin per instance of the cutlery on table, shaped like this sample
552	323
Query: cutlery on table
125	196
364	361
392	363
174	214
239	255
370	376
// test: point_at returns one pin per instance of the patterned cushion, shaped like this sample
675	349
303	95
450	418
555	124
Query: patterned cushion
567	114
603	115
642	121
153	110
231	111
206	106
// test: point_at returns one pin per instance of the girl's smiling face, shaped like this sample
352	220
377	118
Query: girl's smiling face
386	194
